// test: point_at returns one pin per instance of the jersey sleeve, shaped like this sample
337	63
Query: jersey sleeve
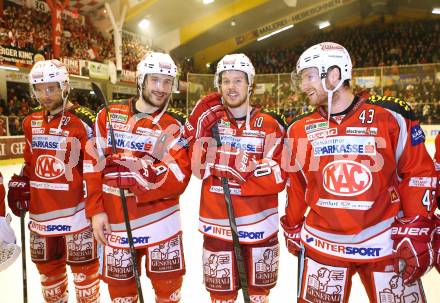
296	186
93	165
268	178
415	170
173	167
27	153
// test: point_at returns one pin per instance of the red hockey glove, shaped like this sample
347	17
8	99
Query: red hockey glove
292	235
232	164
19	194
126	172
412	244
436	242
203	117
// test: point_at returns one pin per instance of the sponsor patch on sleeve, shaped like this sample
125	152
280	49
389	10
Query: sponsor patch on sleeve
417	135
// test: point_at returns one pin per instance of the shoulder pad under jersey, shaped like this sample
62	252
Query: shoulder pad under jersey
113	102
86	115
178	115
277	116
395	104
36	109
301	116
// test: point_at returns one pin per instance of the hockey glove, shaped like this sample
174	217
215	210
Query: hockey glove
436	242
127	172
232	164
19	194
292	235
412	246
203	117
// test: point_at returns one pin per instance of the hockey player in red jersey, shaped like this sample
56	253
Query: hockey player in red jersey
51	187
9	251
359	164
249	158
153	167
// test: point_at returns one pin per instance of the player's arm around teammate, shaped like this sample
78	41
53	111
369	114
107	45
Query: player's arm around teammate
153	168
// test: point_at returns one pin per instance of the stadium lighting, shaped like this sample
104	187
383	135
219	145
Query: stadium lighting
206	2
6	67
144	23
275	32
436	10
323	24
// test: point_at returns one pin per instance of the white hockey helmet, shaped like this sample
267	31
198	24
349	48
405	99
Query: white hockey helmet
238	62
156	63
323	56
46	71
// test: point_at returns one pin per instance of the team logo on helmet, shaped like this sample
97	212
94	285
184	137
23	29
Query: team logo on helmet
331	46
164	65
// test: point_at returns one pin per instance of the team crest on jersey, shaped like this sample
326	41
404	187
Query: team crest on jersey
166	257
265	262
346	178
217	270
49	167
394	196
36	123
118	263
389	287
324	283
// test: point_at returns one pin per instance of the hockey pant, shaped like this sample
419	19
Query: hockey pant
221	274
164	263
326	279
51	254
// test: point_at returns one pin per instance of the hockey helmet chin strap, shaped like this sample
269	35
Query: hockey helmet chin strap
330	97
64	96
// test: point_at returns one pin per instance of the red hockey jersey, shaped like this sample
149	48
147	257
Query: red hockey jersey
53	156
355	174
155	215
255	202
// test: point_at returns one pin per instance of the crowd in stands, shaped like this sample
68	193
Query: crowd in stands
415	42
26	29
